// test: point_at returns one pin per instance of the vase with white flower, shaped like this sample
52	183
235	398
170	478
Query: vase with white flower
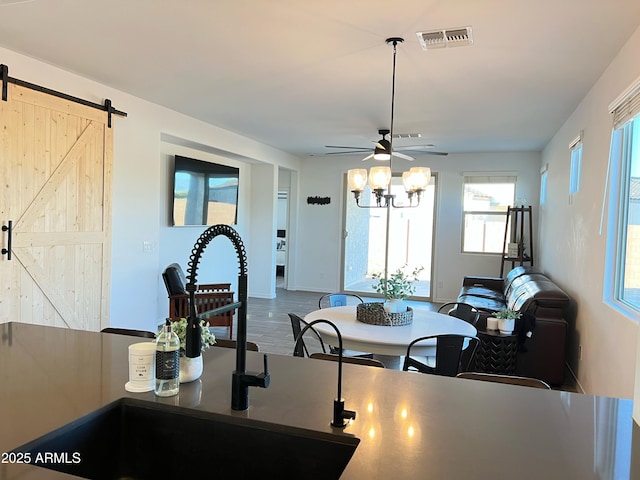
191	368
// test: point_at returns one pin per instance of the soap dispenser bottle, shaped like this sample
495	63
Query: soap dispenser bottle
167	362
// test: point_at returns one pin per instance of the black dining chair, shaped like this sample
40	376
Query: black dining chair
339	299
463	311
342	299
129	331
508	379
453	355
226	343
297	324
332	357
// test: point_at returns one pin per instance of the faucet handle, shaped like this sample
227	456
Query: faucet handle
264	378
266	365
340	414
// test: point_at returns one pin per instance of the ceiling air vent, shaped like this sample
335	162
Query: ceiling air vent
450	37
11	2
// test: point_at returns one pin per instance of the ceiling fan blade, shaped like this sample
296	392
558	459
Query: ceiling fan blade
367	157
427	146
350	148
350	152
421	152
423	149
402	155
429	152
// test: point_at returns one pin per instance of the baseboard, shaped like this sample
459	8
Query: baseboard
575	379
262	295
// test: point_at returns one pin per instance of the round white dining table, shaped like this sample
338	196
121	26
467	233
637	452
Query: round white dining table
386	340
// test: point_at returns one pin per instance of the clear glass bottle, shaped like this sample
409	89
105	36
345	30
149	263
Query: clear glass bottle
167	362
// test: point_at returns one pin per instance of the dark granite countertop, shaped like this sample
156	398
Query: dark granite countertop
410	425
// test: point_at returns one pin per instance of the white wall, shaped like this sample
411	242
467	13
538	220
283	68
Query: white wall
573	250
217	264
262	270
141	190
320	226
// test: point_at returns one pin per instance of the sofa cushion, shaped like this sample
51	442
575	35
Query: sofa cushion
484	304
519	282
482	292
539	293
517	273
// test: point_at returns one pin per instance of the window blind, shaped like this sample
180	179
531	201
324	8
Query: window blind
576	142
490	179
627	106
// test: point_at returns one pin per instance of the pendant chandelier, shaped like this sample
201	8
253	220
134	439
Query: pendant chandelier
415	180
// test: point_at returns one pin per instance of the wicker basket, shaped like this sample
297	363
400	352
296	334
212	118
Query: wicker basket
375	314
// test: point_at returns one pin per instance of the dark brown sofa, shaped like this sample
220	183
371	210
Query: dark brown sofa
527	290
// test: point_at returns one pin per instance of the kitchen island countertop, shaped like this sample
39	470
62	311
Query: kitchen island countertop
410	425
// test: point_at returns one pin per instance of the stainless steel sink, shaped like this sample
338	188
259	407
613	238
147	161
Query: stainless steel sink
143	440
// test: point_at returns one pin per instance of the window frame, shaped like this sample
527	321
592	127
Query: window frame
575	170
625	143
484	178
544	179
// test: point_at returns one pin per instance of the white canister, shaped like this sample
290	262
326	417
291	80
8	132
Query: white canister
492	323
142	367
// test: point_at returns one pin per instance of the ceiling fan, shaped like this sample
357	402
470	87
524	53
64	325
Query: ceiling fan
383	147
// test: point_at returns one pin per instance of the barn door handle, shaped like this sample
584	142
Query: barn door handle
8	228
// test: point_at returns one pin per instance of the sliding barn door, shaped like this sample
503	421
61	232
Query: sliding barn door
55	174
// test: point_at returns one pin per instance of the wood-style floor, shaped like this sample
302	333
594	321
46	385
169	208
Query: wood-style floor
269	326
268	322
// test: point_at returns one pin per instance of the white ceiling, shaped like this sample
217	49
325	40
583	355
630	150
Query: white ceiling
301	74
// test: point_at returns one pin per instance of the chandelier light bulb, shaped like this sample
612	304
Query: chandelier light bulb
357	179
407	181
420	177
379	177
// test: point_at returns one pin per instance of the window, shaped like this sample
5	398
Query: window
485	202
543	184
623	235
576	165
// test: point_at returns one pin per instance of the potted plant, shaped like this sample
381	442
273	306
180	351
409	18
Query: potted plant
396	288
191	368
506	320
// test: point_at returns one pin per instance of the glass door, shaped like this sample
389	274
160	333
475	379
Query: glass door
410	240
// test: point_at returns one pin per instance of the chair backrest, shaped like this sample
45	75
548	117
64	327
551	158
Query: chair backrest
509	379
128	331
300	348
460	310
370	362
453	355
174	279
226	343
339	299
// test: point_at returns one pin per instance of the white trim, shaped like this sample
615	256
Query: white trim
576	141
627	94
544	168
489	173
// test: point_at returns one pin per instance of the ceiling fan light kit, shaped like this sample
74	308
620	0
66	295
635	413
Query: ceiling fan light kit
415	180
382	151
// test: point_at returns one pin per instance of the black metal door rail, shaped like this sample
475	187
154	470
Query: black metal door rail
6	79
